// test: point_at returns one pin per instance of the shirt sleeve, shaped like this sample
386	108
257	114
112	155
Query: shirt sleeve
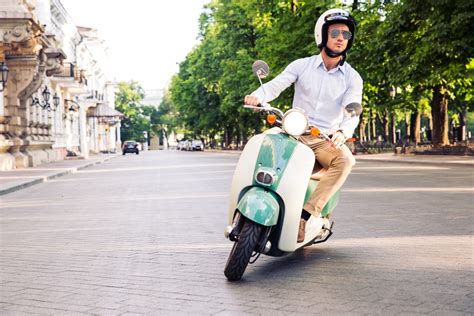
352	95
272	89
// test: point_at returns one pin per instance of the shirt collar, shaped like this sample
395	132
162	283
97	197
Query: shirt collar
319	63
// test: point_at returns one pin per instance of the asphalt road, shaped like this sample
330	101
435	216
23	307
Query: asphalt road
144	235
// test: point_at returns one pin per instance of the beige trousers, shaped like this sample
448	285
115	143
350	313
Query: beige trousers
339	163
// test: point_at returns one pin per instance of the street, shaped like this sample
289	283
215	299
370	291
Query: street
144	234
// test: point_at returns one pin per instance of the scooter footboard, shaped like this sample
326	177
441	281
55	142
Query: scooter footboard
260	206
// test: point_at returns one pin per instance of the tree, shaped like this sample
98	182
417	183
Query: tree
428	44
137	116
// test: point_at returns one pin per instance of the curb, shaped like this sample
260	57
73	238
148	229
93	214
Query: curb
42	179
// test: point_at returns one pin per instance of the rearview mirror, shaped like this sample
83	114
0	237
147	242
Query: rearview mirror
260	69
353	109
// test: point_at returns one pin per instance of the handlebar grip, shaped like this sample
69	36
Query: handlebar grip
248	106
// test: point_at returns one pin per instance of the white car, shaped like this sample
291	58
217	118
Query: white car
196	145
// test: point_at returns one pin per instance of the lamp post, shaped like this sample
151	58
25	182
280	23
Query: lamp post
73	107
3	76
56	101
393	93
46	94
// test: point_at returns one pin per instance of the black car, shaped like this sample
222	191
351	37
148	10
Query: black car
130	146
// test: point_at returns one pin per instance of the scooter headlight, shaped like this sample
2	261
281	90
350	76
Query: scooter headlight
295	122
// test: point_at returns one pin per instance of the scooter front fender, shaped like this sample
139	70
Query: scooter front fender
260	206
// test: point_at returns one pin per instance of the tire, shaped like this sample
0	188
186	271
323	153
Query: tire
137	152
123	153
240	254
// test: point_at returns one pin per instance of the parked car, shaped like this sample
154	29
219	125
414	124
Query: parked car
181	145
196	145
130	146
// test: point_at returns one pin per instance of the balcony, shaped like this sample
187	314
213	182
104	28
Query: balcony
67	71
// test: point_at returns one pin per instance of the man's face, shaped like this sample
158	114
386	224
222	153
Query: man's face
338	44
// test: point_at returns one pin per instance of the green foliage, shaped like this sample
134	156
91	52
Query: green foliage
409	47
137	116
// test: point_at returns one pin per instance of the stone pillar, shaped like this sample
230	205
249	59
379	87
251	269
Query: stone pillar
119	141
84	146
26	75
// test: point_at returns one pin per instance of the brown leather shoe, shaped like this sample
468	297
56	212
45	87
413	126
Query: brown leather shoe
301	230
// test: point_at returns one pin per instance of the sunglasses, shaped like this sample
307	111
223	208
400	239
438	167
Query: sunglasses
345	34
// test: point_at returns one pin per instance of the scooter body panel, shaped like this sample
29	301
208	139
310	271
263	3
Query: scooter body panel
244	172
292	189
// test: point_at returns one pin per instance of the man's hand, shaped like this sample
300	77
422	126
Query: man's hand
251	100
338	139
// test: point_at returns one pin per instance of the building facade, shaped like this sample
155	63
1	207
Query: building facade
58	74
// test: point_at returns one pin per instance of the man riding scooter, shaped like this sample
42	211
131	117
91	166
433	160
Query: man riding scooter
324	85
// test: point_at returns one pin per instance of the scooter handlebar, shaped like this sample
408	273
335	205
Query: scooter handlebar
265	107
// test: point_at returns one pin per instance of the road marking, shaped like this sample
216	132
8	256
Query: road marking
68	201
211	165
402	168
405	189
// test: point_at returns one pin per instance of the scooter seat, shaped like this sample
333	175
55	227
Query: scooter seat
319	174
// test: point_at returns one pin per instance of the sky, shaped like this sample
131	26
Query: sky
146	38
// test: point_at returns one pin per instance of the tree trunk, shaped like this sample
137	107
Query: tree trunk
293	4
439	113
415	127
362	125
386	128
373	121
227	138
463	123
355	5
407	127
369	130
393	130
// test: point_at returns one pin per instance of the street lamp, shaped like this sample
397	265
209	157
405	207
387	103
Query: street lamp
56	100
3	76
74	105
46	94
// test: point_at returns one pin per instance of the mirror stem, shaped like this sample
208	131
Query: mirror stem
263	89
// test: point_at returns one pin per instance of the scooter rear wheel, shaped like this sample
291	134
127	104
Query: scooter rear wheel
242	250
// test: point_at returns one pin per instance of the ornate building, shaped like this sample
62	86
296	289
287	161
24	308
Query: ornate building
57	76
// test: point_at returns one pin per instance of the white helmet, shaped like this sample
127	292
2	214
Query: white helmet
329	17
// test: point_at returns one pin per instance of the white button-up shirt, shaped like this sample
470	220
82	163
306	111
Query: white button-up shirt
320	93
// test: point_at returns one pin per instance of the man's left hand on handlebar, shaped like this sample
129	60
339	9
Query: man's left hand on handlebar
338	139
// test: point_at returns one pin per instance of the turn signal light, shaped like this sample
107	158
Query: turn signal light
351	140
271	119
315	131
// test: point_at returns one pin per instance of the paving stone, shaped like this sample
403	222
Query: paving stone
138	241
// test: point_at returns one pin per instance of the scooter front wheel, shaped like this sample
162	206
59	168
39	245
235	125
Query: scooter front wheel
242	250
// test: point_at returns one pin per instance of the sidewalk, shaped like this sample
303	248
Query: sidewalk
13	180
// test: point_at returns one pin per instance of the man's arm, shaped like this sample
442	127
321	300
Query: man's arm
272	89
352	95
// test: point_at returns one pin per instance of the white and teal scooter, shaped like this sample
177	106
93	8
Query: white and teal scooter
273	179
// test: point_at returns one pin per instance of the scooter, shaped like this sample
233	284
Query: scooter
274	177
